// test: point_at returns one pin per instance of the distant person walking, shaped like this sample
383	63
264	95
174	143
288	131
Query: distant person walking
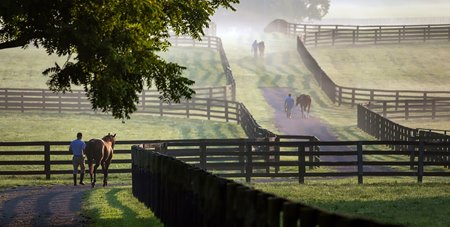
255	48
288	105
77	149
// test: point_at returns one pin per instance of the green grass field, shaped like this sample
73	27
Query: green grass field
22	68
396	201
398	67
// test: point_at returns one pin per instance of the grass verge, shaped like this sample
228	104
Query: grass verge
388	200
116	206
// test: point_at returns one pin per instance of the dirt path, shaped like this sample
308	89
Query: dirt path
58	205
295	125
311	127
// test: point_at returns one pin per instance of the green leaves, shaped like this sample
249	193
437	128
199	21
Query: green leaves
113	44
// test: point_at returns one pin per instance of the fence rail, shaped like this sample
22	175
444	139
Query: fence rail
410	109
282	157
330	35
291	158
298	29
26	100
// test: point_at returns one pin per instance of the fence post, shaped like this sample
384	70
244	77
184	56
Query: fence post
301	164
60	103
425	97
353	96
353	37
187	108
376	36
449	34
420	164
433	109
248	164
308	216
340	96
203	156
277	155
360	162
357	33
22	105
406	110
384	108
208	108
397	97
274	208
242	158
424	34
160	108
47	161
43	99
333	36
315	39
226	111
290	214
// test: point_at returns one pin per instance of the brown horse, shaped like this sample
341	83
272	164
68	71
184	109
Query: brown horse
305	104
100	152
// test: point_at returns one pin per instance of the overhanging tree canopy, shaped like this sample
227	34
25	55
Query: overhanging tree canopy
110	45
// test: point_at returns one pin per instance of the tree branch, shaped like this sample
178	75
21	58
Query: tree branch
14	43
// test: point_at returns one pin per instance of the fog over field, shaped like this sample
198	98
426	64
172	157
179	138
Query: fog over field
254	15
388	8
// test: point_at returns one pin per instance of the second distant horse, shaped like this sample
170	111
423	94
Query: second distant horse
261	47
305	104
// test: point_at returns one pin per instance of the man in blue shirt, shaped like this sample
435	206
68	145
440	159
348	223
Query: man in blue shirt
77	148
288	105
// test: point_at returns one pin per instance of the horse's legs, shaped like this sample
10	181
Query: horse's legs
94	172
105	167
91	169
105	174
301	110
309	107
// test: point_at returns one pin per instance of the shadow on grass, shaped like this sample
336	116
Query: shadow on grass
121	210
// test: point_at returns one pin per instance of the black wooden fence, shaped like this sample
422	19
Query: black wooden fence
183	195
286	158
290	157
382	128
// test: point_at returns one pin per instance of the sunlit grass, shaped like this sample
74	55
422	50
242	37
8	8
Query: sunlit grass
439	124
398	67
397	200
116	206
22	68
63	127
